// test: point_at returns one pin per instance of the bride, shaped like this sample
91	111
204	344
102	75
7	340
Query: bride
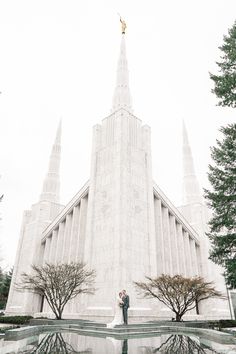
118	319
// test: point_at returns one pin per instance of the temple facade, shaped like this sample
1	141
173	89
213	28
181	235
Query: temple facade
120	223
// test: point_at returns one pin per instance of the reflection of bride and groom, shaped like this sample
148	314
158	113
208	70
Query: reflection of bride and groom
121	310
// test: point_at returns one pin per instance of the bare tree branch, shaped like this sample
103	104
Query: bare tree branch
178	293
58	283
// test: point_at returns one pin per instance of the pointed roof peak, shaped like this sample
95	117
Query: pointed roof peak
185	134
122	96
184	127
191	190
58	134
51	184
188	164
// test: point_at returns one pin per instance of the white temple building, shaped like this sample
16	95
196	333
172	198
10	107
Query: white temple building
120	223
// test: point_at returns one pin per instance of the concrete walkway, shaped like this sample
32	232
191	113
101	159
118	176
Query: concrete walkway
5	325
231	330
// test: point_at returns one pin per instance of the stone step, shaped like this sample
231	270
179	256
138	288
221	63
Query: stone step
39	322
140	327
113	333
118	329
151	324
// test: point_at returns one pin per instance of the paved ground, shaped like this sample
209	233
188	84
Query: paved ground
5	325
231	329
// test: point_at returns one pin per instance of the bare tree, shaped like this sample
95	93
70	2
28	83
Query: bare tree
180	344
58	283
178	293
54	343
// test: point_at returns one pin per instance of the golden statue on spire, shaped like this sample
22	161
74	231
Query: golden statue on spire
123	25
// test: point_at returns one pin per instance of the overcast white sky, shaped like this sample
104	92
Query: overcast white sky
58	60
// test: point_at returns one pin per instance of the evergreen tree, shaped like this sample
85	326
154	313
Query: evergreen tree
5	281
1	289
222	200
225	82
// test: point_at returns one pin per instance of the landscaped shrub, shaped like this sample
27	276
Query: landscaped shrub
213	324
222	324
15	319
227	323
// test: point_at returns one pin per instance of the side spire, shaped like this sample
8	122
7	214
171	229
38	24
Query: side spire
51	184
191	190
122	96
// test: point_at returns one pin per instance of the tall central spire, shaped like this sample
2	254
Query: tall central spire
122	96
51	185
191	190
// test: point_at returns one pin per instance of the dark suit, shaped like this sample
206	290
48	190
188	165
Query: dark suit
125	347
125	308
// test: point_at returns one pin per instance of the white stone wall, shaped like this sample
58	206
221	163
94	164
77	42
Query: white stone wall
30	251
177	243
198	216
120	241
64	241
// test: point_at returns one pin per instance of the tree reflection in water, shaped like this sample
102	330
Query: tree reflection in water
179	344
53	343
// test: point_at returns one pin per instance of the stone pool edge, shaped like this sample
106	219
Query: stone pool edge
119	332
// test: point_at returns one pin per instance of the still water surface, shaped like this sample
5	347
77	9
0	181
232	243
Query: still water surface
73	343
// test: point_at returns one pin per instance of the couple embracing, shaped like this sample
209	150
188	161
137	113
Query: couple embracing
121	310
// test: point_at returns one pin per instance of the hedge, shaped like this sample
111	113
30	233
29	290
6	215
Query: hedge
222	324
15	319
227	323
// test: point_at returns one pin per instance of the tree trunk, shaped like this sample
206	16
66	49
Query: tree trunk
59	314
197	308
178	317
42	303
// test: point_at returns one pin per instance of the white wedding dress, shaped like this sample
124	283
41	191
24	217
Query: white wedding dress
118	319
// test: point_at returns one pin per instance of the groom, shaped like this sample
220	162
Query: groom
125	299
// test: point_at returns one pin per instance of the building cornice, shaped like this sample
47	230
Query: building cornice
176	213
65	211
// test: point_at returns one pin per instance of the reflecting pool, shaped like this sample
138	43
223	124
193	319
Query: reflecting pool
65	343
